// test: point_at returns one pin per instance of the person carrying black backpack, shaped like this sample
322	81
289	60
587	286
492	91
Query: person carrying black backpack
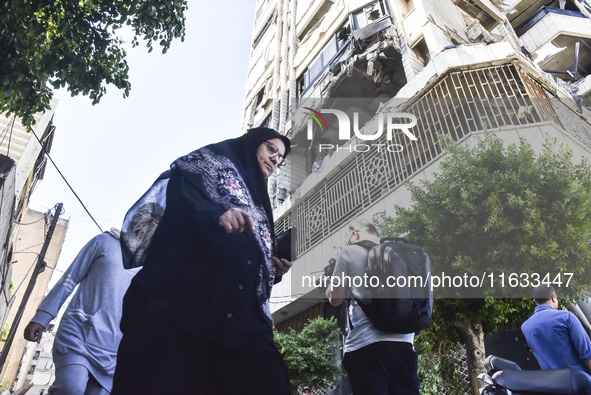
377	362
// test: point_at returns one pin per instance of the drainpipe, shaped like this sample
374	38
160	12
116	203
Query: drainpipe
293	86
283	74
276	83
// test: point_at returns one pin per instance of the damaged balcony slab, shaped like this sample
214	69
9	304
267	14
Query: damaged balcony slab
374	73
483	10
365	68
559	41
370	51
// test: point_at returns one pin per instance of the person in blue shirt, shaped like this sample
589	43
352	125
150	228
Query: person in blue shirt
556	337
85	346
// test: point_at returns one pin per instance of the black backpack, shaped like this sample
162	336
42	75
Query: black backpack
407	307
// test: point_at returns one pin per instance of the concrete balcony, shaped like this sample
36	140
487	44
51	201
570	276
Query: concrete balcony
551	36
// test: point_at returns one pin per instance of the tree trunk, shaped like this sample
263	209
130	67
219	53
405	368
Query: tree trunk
474	340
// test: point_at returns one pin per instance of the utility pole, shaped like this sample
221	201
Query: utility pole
38	266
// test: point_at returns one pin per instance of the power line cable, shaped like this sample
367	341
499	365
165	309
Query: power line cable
66	181
24	278
10	137
28	223
54	268
10	125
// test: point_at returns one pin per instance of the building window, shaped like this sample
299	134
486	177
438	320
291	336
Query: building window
36	356
330	50
288	105
422	51
267	121
357	20
368	15
259	36
31	370
259	97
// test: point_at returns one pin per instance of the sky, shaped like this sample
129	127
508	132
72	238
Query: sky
111	153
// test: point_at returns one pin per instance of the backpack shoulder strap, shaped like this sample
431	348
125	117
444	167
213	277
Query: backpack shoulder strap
368	245
397	239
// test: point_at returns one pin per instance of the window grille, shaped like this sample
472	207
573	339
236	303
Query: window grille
462	102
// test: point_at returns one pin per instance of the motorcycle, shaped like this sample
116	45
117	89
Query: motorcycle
506	377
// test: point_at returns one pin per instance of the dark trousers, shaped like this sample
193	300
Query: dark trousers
157	357
383	368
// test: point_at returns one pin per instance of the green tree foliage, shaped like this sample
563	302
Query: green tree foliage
310	354
492	208
437	368
59	43
4	333
464	321
493	314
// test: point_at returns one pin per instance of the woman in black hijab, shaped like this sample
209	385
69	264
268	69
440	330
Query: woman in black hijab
196	318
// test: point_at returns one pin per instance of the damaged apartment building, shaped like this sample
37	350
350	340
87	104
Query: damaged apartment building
364	89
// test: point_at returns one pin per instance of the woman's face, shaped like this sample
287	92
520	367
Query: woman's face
269	154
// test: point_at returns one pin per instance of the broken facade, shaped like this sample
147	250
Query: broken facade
519	68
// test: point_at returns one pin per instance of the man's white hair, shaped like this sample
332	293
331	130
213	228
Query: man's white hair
359	225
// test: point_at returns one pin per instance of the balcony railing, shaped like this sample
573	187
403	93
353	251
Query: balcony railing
461	102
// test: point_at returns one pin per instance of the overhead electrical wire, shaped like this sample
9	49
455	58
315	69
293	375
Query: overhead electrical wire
66	181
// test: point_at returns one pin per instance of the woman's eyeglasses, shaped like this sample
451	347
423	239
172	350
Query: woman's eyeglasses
273	151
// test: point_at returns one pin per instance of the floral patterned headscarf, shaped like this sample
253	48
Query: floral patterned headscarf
230	175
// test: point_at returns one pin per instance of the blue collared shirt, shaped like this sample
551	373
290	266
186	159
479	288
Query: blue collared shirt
557	339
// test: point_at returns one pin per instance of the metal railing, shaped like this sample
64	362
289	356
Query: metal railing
461	102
